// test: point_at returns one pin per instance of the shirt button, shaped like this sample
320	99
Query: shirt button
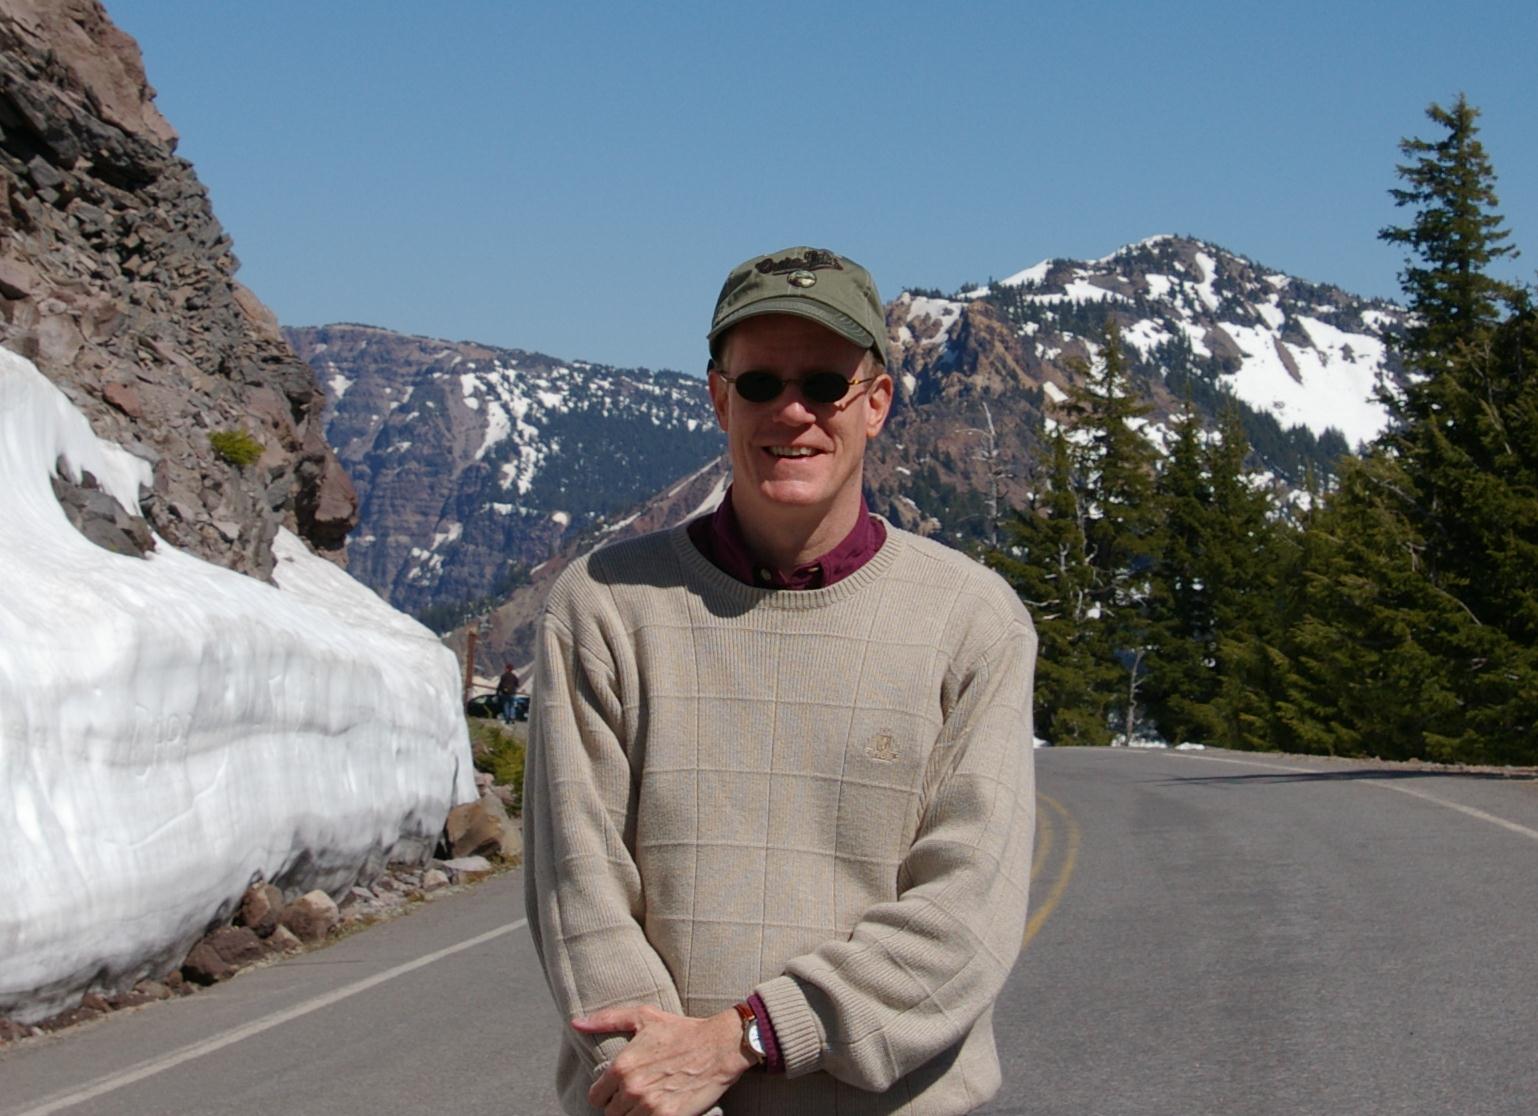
763	574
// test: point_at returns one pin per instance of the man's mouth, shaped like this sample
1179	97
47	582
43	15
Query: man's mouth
791	451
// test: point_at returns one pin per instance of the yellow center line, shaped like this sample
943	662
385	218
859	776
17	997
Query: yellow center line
1045	834
1065	870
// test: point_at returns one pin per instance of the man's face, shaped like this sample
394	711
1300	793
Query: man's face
792	457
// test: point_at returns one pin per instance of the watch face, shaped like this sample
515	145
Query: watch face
754	1039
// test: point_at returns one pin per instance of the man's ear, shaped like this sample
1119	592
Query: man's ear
878	404
719	390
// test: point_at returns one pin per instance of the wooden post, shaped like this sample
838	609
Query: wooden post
471	636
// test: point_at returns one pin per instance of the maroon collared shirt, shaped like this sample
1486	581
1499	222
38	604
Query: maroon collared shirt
718	536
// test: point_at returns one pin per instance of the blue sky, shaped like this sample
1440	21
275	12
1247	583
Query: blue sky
577	178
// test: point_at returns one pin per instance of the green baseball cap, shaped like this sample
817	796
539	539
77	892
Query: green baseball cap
811	283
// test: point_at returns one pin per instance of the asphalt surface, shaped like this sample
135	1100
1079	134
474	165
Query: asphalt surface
1211	933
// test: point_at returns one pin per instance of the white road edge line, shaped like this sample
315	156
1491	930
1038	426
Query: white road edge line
116	1081
1515	827
1471	811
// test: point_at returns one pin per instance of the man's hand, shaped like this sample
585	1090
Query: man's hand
674	1066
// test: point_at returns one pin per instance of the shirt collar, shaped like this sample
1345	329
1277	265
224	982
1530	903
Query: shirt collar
718	536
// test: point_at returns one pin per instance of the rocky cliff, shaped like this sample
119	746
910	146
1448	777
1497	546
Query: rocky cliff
475	464
117	280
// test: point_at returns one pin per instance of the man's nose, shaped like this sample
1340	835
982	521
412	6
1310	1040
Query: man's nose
792	406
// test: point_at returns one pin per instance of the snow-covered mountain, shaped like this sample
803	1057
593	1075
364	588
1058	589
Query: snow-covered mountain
1307	354
476	465
472	462
981	370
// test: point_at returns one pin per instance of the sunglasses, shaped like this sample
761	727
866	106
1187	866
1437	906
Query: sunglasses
819	387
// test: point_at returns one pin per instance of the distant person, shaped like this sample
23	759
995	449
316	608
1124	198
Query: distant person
779	796
507	693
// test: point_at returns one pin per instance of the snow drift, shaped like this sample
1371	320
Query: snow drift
170	731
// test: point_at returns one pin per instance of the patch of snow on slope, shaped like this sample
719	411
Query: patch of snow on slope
943	310
1082	290
469	386
338	384
1129	249
170	730
1335	389
498	426
1271	314
1209	267
1034	274
1145	335
1197	336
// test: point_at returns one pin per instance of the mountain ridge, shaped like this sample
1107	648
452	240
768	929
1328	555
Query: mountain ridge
473	461
980	373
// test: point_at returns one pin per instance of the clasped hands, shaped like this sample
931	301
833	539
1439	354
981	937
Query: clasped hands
675	1065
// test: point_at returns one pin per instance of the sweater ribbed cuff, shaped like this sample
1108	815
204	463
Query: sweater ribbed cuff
797	1030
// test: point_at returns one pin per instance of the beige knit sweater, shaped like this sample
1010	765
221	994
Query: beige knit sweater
825	796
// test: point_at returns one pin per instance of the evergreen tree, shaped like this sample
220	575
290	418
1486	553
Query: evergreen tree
1368	670
1417	634
1455	235
1182	676
1214	600
1046	560
1248	556
1115	463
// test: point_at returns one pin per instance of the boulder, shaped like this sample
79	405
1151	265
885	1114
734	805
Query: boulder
205	966
310	917
152	989
483	828
510	842
468	869
473	830
433	879
283	940
260	908
124	398
237	945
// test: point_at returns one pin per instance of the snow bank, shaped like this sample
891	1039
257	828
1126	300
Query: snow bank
169	730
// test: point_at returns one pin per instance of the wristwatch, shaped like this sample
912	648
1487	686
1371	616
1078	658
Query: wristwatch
752	1041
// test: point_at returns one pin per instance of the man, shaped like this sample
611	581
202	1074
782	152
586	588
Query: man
507	693
779	798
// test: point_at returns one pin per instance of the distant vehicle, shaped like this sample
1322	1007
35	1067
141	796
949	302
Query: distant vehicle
484	705
490	705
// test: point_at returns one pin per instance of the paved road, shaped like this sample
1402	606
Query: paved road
1256	935
1212	933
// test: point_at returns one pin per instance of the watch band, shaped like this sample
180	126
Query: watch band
752	1041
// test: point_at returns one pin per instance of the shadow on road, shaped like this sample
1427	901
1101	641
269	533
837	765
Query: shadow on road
1356	773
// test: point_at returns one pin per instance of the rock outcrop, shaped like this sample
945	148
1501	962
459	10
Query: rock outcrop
117	280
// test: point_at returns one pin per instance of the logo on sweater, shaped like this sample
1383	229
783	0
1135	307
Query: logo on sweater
881	748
